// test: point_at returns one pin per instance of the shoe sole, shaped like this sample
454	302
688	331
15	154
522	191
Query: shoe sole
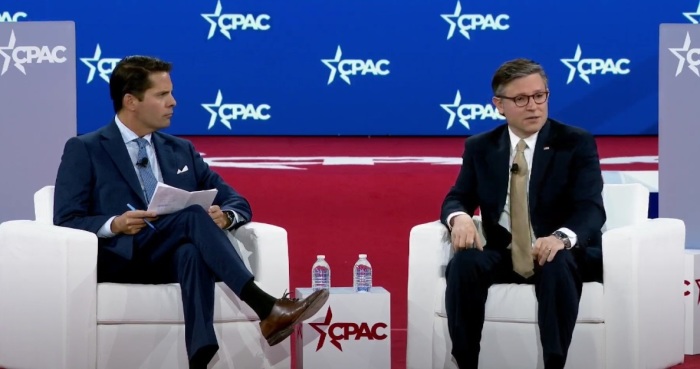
313	308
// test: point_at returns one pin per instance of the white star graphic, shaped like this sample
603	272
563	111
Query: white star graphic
329	63
93	68
215	112
693	16
453	113
681	58
453	23
572	68
212	19
8	57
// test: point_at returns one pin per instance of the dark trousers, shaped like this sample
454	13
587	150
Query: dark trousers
471	272
187	247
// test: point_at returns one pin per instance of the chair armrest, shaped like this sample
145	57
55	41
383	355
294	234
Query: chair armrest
48	284
427	257
429	252
644	311
265	252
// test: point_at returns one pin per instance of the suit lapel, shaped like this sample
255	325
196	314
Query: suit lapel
166	159
540	161
498	162
113	143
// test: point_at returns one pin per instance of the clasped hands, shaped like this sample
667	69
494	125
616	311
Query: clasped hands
132	221
464	235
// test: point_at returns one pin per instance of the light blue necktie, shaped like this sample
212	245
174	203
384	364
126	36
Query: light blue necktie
147	177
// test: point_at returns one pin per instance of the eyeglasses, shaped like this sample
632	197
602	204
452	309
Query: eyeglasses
523	100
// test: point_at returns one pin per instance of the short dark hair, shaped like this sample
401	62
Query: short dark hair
131	76
514	69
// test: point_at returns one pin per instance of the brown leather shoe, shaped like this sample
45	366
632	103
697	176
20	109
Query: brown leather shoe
289	312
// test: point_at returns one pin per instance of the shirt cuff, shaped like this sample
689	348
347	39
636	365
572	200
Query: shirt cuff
106	230
570	234
449	218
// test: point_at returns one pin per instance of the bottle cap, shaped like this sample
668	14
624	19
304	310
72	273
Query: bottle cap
363	256
321	256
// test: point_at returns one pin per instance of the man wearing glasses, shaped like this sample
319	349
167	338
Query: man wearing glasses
539	187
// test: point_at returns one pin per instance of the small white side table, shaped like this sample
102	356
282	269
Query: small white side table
351	331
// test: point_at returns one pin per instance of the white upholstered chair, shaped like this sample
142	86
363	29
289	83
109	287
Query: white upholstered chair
634	320
53	313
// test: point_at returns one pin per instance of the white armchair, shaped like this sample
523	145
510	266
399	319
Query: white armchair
54	314
634	320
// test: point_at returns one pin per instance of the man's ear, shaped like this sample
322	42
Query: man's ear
129	102
498	103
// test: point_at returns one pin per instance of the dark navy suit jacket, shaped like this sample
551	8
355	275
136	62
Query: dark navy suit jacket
565	187
96	179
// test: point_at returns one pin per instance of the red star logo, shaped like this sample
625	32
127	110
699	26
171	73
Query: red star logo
687	283
326	323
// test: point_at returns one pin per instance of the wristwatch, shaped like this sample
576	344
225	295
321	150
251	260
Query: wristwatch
231	218
564	238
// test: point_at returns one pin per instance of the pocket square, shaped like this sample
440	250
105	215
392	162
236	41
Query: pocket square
183	170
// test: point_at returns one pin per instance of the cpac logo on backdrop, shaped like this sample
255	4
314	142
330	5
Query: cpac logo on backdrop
235	22
228	112
97	63
11	17
467	112
353	67
686	54
474	22
592	66
347	331
693	16
21	55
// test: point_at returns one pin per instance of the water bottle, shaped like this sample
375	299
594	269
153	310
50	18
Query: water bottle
320	274
362	274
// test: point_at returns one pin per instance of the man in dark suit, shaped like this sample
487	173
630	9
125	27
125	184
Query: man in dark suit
539	187
121	163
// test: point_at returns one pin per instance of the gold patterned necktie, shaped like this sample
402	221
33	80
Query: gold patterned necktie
521	250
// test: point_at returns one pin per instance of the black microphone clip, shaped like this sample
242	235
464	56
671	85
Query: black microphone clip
143	162
514	168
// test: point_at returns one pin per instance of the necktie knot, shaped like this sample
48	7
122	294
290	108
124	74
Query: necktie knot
521	146
142	142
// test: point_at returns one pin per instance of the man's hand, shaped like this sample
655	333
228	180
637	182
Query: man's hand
464	234
132	221
219	217
545	249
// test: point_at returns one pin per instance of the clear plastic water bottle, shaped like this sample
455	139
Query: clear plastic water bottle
362	275
321	274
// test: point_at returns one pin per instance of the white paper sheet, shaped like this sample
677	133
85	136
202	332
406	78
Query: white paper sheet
168	199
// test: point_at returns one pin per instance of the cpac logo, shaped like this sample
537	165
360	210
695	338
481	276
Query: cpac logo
467	112
344	331
234	22
693	16
353	67
9	17
473	22
22	55
104	65
227	112
686	54
591	66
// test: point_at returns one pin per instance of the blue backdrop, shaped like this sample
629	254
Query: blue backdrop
370	67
